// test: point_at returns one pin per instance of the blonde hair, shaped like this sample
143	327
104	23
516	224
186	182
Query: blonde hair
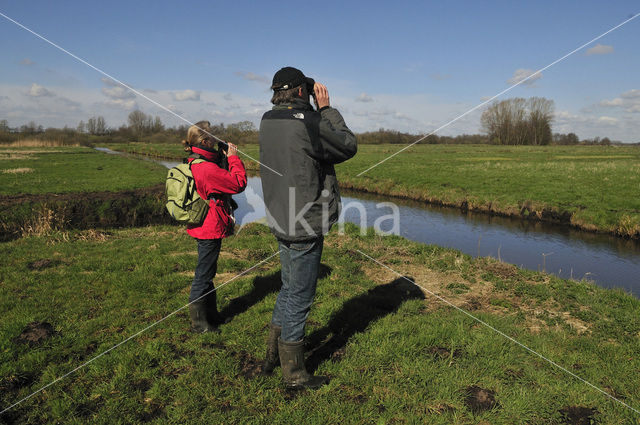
197	134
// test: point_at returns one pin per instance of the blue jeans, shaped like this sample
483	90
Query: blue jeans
208	252
300	263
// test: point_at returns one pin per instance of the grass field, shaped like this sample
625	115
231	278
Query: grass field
43	189
394	353
42	170
590	187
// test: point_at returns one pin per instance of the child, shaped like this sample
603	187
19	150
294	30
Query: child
215	183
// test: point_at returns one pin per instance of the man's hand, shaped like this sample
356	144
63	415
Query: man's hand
232	150
322	95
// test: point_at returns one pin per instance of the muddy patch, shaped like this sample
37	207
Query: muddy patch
578	415
16	381
35	333
444	353
250	367
42	264
479	399
291	393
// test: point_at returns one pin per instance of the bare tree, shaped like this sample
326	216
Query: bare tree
519	121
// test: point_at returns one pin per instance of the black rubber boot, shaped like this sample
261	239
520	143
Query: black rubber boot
294	373
198	314
213	317
272	358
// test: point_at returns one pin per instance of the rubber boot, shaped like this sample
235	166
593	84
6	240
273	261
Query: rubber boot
272	358
294	373
213	317
198	314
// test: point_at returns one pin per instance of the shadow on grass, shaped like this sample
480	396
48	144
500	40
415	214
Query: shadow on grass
262	286
355	316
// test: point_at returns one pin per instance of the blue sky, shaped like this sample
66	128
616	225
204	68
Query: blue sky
410	66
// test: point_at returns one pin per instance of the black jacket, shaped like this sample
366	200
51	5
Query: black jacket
302	145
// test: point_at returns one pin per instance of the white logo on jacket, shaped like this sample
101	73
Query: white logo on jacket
299	115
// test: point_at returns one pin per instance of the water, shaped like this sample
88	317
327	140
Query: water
569	253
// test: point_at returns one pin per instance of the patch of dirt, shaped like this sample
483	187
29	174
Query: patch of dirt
214	345
250	367
16	381
444	353
35	333
358	398
578	415
479	294
502	270
291	393
479	399
41	264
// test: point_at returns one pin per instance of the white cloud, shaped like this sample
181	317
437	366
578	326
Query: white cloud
608	120
116	91
37	90
186	95
127	104
599	49
250	76
521	74
27	62
364	98
629	101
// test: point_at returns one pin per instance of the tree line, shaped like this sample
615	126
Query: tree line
515	121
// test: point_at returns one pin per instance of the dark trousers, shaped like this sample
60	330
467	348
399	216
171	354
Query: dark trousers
300	263
208	252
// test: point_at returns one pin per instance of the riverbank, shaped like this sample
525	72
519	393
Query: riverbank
393	351
591	188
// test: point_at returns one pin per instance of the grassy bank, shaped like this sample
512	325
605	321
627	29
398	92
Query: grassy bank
43	189
589	187
42	170
394	353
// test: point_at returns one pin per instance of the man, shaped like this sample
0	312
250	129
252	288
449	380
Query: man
298	148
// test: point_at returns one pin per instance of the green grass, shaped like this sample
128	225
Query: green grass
591	187
393	354
67	170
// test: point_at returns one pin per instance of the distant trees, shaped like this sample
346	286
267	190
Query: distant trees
519	121
96	126
142	124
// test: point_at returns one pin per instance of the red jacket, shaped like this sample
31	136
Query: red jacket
213	180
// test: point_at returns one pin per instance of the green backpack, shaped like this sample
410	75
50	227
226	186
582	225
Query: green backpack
183	202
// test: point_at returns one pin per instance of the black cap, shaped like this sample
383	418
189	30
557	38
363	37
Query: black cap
288	78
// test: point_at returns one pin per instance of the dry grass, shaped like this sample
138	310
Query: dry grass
37	143
17	170
44	222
